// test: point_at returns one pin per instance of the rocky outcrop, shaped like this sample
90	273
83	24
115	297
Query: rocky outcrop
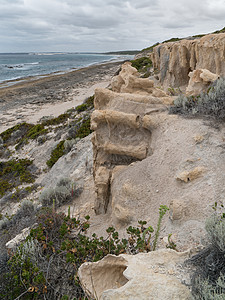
144	157
175	60
199	81
153	275
128	81
122	123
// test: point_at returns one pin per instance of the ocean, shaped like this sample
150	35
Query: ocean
14	66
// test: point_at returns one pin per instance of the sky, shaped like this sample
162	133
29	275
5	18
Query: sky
102	25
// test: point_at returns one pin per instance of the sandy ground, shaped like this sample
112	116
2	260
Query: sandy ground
32	113
51	96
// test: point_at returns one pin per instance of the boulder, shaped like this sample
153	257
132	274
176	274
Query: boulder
153	275
17	240
191	175
200	80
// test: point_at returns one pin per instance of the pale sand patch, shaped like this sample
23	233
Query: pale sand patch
32	113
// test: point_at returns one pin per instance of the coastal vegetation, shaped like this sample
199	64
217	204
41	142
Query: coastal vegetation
56	248
208	278
13	173
143	65
210	103
56	153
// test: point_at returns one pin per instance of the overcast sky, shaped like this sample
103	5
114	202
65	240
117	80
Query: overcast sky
102	25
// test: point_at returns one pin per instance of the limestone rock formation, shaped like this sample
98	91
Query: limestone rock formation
175	60
143	157
122	123
128	81
153	275
199	81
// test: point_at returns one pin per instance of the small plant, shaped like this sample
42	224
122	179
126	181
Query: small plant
85	129
143	65
208	279
162	211
58	120
26	209
68	145
62	193
211	103
171	244
56	153
13	173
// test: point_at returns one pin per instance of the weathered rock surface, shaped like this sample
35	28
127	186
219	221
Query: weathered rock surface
122	124
17	240
175	60
144	157
153	275
77	165
199	81
128	81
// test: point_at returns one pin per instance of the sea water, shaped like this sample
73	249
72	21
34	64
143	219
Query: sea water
14	66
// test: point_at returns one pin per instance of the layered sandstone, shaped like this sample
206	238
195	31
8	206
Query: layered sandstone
175	60
122	122
145	157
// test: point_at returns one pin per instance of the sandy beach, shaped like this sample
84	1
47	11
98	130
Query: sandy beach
30	100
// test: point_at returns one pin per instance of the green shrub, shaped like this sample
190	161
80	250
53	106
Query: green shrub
13	173
90	101
34	132
208	279
23	127
56	154
25	132
58	120
46	265
62	193
85	129
81	107
88	104
211	103
143	65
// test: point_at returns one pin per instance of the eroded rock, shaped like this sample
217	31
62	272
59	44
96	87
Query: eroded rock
200	80
191	175
175	60
122	124
153	275
128	81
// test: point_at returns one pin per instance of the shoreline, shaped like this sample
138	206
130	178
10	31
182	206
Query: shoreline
15	81
30	100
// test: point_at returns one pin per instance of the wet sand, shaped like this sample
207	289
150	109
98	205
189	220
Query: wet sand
34	98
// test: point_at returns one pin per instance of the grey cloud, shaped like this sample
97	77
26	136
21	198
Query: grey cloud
102	25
